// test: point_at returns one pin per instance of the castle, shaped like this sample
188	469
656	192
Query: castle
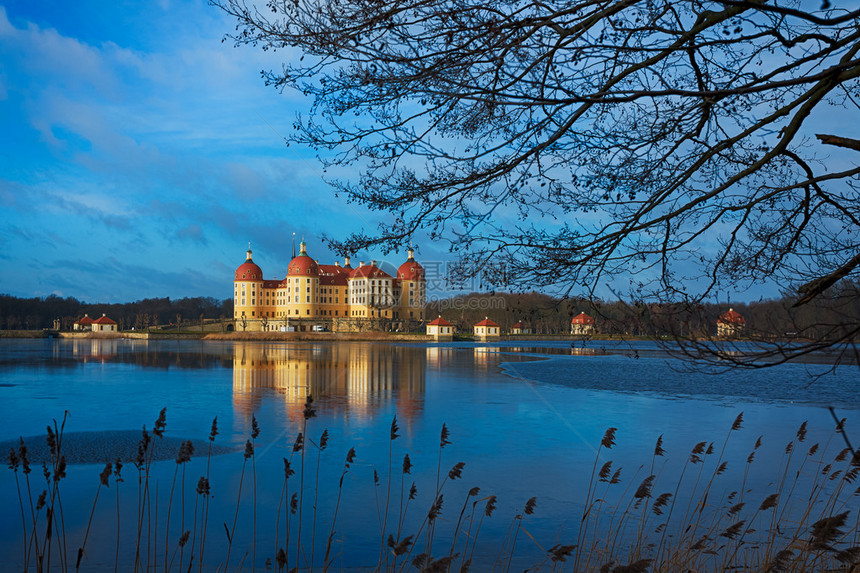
328	297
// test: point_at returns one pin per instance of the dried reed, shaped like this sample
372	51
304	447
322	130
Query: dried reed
803	523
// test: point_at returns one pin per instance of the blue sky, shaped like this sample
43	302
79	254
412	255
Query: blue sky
140	154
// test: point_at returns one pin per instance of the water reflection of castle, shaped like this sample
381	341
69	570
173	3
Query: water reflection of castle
92	350
353	379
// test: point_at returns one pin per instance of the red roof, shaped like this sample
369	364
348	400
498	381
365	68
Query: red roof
103	320
486	322
369	272
85	320
249	271
582	318
410	271
333	275
303	265
732	317
440	322
518	325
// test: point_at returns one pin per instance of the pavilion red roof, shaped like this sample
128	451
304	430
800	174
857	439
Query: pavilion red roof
732	317
582	318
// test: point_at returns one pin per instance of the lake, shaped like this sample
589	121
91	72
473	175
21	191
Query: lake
527	419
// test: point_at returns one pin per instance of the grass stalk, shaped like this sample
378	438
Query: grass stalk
320	447
104	478
350	457
249	452
255	432
204	517
383	554
607	442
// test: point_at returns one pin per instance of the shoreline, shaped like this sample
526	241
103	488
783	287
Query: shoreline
310	336
375	336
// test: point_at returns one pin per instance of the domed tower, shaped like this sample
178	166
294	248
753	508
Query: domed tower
247	293
412	283
303	283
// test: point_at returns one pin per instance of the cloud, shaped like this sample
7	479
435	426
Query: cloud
70	63
155	148
33	236
192	233
149	281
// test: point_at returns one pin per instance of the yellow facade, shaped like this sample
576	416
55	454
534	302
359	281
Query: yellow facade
487	329
328	297
412	297
440	329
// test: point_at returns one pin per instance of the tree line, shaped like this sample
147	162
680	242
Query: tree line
827	317
41	312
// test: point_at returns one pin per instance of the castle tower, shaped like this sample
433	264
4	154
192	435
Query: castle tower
412	282
247	292
303	284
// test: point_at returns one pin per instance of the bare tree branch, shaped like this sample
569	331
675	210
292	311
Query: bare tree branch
658	144
839	141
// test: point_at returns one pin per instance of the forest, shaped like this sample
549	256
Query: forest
825	317
41	312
